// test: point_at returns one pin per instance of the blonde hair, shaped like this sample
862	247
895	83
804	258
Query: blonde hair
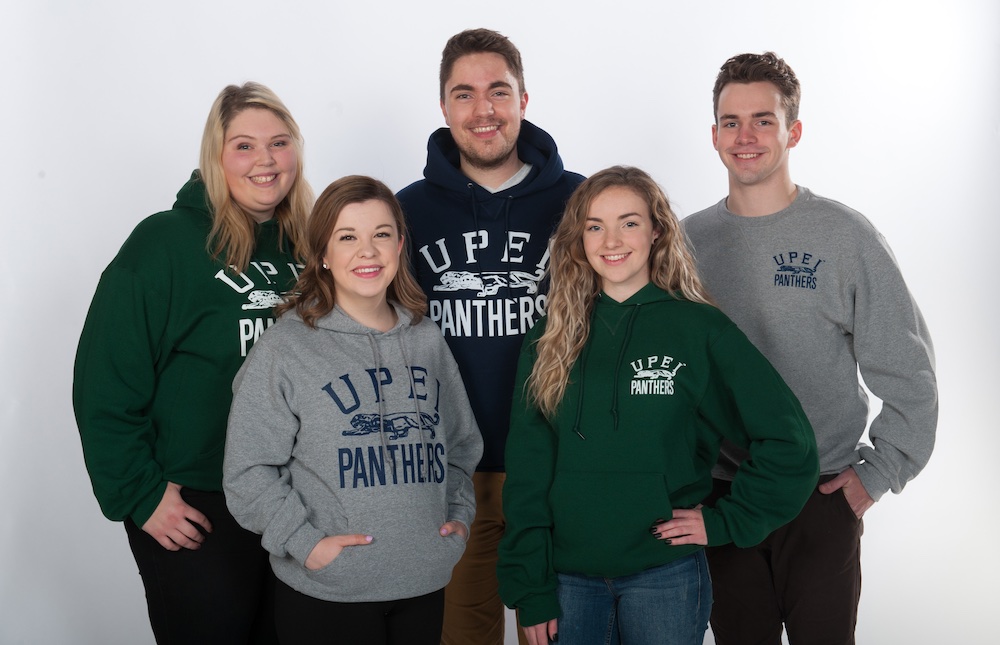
232	233
316	293
575	285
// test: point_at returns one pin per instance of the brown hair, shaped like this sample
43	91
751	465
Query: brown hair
233	230
315	292
755	68
480	41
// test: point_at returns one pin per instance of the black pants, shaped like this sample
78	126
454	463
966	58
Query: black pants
304	620
220	593
805	575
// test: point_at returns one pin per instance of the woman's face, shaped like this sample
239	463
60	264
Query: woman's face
617	237
259	161
363	254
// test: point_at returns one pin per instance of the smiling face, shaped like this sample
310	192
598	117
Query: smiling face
259	161
618	236
483	105
363	255
752	136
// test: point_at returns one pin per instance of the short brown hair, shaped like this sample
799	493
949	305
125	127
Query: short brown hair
755	68
481	41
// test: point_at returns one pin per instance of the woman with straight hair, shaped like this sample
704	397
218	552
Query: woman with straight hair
174	315
625	391
351	441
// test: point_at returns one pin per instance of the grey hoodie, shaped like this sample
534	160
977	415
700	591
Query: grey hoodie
344	429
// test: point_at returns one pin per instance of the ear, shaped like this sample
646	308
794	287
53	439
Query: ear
399	249
715	136
444	112
524	103
794	134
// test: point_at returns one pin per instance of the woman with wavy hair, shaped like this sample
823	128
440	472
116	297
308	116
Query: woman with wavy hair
174	315
626	390
351	442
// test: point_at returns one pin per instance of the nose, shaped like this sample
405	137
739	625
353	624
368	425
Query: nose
366	248
745	134
266	156
484	106
612	239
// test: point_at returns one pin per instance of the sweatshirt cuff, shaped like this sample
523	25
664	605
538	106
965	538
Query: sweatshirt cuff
535	609
147	505
301	543
715	527
872	480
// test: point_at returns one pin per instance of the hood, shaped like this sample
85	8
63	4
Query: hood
534	146
192	195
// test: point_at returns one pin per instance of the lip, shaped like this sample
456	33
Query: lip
485	130
263	180
614	259
368	271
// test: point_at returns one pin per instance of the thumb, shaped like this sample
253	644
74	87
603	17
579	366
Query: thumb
833	485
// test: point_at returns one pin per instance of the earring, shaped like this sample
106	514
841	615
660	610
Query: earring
324	266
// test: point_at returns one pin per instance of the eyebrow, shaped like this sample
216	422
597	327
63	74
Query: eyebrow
468	88
284	135
352	229
755	115
620	217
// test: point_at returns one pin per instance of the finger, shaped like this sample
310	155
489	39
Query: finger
354	540
834	484
183	541
553	630
195	516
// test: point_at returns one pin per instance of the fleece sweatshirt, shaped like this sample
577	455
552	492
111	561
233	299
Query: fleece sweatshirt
816	288
658	385
480	257
166	332
345	429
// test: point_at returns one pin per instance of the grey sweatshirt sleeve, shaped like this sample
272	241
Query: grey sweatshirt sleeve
896	359
465	443
259	442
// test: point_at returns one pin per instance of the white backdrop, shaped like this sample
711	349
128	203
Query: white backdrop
105	101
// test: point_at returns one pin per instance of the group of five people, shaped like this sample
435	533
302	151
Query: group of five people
619	424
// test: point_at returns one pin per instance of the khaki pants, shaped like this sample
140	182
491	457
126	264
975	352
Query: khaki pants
473	612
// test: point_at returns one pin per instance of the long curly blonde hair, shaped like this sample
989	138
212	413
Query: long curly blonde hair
575	285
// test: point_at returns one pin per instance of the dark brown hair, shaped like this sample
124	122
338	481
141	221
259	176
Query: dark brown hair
481	41
755	68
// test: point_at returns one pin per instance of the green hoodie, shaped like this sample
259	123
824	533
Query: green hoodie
166	332
659	384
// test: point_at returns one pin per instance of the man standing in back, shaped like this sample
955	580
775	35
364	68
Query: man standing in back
493	190
815	286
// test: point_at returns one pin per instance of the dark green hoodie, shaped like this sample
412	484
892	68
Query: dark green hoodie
166	332
659	384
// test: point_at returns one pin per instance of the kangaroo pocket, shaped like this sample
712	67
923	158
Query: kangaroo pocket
395	565
602	520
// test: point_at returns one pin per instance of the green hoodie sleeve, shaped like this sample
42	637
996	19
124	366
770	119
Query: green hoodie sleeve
113	387
749	404
525	571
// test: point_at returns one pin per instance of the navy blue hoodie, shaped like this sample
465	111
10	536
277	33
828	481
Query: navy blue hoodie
480	258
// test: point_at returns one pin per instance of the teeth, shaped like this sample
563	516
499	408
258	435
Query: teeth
485	128
748	155
262	179
368	270
615	258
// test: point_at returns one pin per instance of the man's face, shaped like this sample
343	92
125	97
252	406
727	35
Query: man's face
751	133
483	106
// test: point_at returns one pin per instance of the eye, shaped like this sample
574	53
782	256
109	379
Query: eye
593	227
346	237
501	93
280	144
243	146
383	234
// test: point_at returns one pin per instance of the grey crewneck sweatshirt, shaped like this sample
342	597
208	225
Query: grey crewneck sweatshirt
344	429
816	288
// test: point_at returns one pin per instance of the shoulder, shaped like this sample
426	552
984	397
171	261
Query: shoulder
161	237
702	220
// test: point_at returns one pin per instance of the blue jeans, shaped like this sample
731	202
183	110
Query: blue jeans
665	605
